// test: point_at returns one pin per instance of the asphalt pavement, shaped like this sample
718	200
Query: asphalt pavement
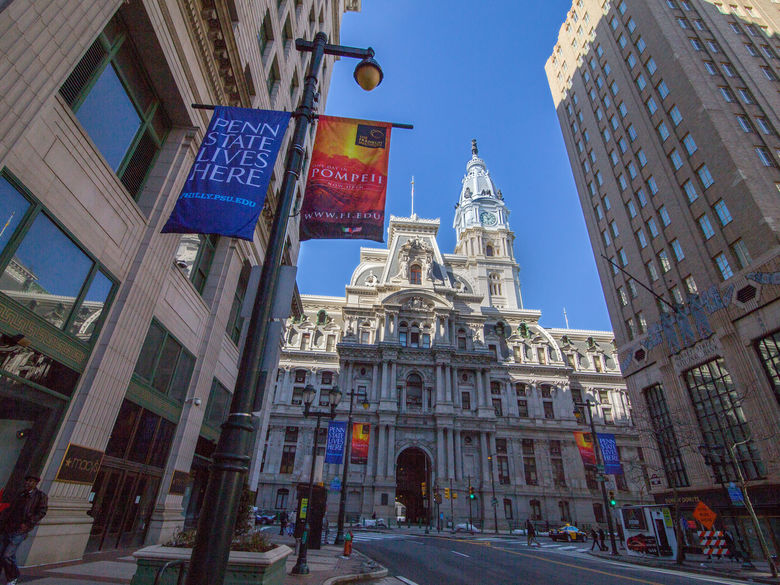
419	560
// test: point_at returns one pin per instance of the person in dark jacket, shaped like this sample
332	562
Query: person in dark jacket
283	519
595	536
22	515
602	536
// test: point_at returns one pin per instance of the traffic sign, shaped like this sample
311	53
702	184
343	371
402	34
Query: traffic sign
494	501
736	495
705	515
600	468
335	484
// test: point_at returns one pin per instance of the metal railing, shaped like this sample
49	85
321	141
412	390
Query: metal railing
181	563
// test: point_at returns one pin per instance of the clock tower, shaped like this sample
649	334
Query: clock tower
482	228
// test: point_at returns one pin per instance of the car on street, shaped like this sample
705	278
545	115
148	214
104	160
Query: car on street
263	517
466	527
568	533
374	523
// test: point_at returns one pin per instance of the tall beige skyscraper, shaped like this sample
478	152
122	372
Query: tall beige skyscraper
669	112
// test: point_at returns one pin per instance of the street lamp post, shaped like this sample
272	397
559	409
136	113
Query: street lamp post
599	461
334	397
347	454
232	455
493	501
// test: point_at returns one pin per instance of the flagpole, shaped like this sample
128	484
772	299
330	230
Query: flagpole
233	453
412	195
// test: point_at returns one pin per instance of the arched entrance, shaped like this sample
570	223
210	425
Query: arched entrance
412	470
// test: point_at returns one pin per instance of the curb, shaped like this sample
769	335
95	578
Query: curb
694	570
378	574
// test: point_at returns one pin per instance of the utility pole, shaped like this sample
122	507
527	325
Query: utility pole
452	506
493	501
470	524
347	455
600	463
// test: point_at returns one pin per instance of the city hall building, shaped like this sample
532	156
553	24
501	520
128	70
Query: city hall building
119	345
462	386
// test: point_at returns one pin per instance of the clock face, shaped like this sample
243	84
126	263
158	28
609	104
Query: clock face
488	218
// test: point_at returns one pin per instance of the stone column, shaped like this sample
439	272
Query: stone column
492	445
393	380
439	384
383	392
372	397
448	384
480	391
458	456
456	398
486	388
440	456
281	395
382	456
450	454
391	451
484	456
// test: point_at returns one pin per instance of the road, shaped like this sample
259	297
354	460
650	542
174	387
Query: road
461	561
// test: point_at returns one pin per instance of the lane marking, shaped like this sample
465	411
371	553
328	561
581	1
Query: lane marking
459	554
405	580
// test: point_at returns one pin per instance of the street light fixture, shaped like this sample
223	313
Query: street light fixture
334	397
578	414
232	455
368	73
347	445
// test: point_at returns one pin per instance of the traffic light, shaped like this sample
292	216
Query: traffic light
612	500
446	493
472	495
424	488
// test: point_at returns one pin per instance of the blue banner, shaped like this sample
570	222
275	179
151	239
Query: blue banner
226	187
609	453
337	435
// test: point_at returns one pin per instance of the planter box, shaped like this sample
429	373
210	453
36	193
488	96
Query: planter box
244	568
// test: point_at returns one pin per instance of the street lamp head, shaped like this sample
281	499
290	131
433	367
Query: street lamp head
368	73
365	403
308	395
334	397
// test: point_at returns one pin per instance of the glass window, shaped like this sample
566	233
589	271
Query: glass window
690	285
642	158
13	207
164	364
690	190
641	45
718	409
235	322
640	82
663	260
114	102
664	215
652	107
664	435
623	110
631	132
676	159
741	252
194	257
706	227
640	236
723	266
764	156
653	227
727	94
651	271
768	349
631	208
51	285
219	404
704	176
710	67
723	212
689	143
744	123
763	124
663	91
677	249
676	116
640	195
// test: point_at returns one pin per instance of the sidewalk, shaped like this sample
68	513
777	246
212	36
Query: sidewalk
326	566
698	564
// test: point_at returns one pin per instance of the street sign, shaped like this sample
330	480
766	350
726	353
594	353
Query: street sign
705	515
600	468
494	501
335	484
736	495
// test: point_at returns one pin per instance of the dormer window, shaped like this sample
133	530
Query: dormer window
403	333
461	339
415	274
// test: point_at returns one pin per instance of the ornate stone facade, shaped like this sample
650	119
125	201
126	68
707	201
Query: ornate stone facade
454	366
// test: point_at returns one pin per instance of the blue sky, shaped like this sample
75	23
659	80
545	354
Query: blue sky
459	70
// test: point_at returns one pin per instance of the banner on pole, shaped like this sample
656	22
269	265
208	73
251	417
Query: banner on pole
609	453
360	437
225	190
334	446
347	182
585	445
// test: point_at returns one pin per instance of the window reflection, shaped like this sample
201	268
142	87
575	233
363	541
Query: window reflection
12	209
90	310
47	272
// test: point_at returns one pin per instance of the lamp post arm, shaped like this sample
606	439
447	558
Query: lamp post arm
340	50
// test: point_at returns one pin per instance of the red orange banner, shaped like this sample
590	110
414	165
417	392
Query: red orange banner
347	183
585	445
360	436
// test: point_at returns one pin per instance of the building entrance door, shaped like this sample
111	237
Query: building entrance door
121	506
412	471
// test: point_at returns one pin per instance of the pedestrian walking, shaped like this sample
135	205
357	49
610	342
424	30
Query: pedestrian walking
602	536
22	515
283	519
531	533
595	536
621	536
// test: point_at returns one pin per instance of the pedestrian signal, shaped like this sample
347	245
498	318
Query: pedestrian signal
471	493
447	493
612	500
424	487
